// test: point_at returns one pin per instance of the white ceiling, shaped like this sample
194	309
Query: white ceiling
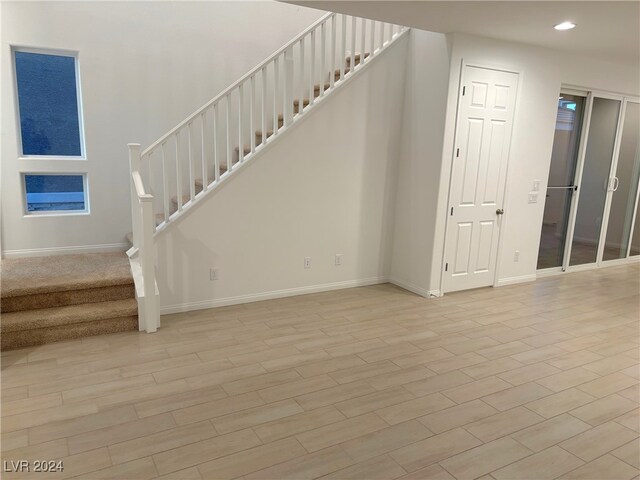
606	29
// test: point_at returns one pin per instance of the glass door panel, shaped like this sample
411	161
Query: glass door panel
554	228
625	187
560	187
595	180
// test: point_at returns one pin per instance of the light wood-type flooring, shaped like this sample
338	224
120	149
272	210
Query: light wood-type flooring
534	381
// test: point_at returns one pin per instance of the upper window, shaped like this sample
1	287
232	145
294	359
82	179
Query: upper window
48	104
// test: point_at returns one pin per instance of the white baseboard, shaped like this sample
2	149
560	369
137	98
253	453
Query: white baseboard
289	292
414	288
41	252
515	280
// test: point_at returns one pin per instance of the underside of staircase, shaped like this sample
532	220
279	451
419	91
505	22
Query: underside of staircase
54	298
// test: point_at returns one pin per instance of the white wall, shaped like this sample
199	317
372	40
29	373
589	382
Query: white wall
425	103
326	187
542	72
144	67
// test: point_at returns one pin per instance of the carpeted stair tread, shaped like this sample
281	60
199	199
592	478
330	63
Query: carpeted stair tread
236	153
68	315
198	181
174	201
259	136
187	196
357	58
316	88
38	275
336	73
296	103
67	297
40	336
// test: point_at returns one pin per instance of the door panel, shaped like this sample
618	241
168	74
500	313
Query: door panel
485	118
502	97
463	248
475	129
485	241
624	197
595	180
479	95
555	225
561	181
491	170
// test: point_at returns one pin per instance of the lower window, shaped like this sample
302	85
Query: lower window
55	193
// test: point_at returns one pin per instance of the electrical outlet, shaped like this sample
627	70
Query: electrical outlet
307	262
516	256
533	198
536	185
213	274
338	260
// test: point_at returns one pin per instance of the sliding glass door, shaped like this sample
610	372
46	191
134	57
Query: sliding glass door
591	206
624	189
561	187
594	182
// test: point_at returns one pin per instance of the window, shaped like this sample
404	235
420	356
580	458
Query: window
48	104
53	192
50	137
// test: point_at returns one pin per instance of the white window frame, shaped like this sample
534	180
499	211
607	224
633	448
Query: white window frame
55	213
57	52
51	164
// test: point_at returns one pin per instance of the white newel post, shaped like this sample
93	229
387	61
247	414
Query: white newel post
148	261
134	166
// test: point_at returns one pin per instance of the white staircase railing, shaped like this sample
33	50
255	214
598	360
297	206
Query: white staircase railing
202	151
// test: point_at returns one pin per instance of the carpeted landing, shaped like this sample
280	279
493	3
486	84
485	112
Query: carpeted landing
48	299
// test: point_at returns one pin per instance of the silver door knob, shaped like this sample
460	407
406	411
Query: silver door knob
499	211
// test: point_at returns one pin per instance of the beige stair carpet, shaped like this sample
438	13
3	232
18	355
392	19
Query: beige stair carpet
53	298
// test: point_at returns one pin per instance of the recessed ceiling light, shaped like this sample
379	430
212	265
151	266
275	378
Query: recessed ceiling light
565	26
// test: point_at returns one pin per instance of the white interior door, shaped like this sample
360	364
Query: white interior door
483	135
